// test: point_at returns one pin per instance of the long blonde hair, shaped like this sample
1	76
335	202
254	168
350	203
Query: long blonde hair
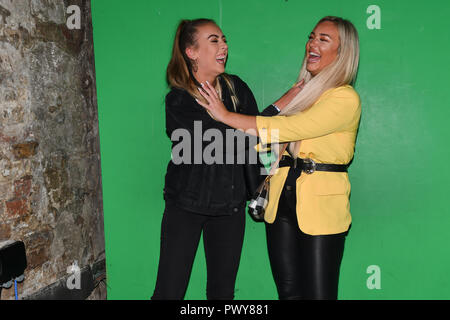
342	71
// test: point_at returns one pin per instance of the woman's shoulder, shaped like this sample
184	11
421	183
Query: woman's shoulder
234	77
237	81
177	96
239	85
345	91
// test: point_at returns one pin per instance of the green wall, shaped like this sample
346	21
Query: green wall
399	176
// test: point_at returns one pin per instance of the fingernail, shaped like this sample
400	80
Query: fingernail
202	84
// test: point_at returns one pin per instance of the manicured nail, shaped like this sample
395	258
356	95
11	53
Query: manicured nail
202	84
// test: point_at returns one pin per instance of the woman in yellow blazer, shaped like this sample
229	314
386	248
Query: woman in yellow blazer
308	214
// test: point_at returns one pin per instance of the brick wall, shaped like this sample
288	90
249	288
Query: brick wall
50	176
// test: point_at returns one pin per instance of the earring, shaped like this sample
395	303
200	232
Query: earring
194	65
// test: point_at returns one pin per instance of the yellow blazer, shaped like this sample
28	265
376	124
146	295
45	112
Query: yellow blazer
328	133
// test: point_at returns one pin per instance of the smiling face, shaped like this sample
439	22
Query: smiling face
210	51
322	47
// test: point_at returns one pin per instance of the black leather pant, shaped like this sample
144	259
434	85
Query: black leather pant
303	266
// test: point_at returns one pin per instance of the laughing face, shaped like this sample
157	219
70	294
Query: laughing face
210	51
322	47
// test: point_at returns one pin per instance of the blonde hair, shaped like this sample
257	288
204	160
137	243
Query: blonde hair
342	71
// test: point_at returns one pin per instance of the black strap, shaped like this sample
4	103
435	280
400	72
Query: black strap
305	165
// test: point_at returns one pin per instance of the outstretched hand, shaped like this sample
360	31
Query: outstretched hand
214	104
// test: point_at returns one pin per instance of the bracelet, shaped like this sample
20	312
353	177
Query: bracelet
276	107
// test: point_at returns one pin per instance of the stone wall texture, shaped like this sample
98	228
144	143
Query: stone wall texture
50	174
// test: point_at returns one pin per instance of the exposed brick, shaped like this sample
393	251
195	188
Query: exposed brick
22	187
37	258
5	231
17	207
25	150
8	139
48	198
53	178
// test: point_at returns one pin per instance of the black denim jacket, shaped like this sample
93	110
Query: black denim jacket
203	188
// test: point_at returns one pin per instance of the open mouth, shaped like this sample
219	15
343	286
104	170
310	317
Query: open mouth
221	59
313	57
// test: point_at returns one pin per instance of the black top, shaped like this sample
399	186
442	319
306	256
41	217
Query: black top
195	184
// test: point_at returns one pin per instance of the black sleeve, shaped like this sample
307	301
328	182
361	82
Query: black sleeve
254	173
270	111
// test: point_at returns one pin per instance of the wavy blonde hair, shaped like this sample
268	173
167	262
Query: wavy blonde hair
342	71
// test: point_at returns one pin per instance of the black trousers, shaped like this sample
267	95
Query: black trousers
180	234
303	266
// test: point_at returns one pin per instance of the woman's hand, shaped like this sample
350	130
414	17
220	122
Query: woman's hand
219	112
290	94
215	105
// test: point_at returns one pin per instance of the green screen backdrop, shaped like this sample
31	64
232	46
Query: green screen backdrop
398	246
